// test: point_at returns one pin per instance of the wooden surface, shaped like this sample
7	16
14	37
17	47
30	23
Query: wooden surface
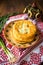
9	6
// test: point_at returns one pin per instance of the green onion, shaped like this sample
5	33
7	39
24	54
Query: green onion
11	57
4	18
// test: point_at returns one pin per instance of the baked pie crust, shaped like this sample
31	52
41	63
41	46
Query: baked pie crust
21	33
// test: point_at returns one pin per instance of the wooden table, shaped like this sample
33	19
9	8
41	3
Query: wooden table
8	6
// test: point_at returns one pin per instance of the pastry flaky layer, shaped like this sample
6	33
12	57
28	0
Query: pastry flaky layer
21	33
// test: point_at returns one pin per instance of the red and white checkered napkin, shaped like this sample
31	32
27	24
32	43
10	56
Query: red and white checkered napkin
35	57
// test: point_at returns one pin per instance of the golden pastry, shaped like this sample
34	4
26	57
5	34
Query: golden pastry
20	33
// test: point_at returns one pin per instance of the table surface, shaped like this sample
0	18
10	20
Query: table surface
8	6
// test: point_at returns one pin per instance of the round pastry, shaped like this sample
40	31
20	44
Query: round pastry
20	33
24	31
